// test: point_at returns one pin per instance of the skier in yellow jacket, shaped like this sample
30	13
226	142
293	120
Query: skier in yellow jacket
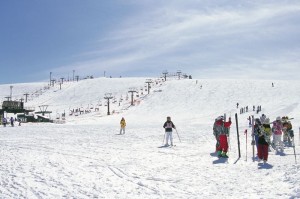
123	125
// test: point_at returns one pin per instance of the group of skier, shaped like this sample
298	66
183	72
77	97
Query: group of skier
281	128
11	120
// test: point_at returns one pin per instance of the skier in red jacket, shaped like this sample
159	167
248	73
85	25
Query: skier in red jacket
221	132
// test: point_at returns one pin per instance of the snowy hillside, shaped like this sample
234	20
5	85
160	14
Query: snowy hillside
86	158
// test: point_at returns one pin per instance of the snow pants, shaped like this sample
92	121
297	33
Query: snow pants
122	129
263	151
277	141
169	136
223	144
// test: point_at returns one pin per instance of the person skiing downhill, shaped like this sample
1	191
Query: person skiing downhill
123	125
169	126
220	130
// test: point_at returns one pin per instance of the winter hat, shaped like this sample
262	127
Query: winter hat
267	121
278	118
220	118
169	118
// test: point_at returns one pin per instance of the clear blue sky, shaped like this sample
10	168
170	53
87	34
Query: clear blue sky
205	38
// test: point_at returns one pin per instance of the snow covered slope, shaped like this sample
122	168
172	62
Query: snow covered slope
85	158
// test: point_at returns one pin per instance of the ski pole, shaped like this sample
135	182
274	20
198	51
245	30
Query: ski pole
246	142
295	152
178	135
164	139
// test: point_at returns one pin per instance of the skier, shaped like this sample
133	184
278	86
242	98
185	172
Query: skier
288	133
4	121
12	121
249	118
264	141
277	134
168	126
257	129
237	105
123	125
220	131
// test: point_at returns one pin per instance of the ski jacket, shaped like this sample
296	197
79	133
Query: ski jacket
257	129
4	120
168	125
221	128
287	125
123	123
265	134
277	128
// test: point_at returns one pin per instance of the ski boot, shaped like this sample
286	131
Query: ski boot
219	154
224	155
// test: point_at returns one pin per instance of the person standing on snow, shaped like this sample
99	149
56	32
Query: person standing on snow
277	134
169	126
264	141
12	121
123	125
221	130
4	121
288	133
257	129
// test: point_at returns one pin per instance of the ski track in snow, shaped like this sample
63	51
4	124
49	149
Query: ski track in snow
85	158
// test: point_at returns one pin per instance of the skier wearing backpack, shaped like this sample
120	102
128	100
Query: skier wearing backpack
277	134
220	131
264	141
288	133
169	126
123	125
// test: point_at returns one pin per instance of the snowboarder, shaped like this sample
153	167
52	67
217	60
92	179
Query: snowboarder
221	131
277	134
264	141
169	126
123	125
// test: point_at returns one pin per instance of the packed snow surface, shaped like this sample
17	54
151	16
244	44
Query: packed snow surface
87	158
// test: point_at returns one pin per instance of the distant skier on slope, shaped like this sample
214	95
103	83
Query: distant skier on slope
4	121
12	121
169	126
123	125
220	130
